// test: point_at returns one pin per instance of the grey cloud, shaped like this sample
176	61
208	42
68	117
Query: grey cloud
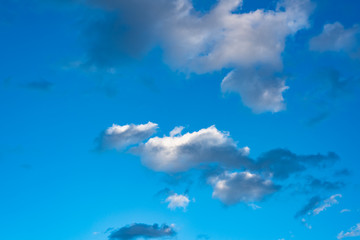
42	85
310	185
141	230
281	163
318	118
332	87
317	184
120	137
342	173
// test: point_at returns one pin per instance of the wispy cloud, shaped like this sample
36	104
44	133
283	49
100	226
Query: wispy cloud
352	232
317	205
327	203
335	37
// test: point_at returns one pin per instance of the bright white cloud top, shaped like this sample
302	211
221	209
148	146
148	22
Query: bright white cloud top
179	153
177	201
233	175
198	42
234	187
120	137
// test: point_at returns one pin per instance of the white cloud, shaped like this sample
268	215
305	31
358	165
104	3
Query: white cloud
345	210
327	203
176	131
233	187
179	153
201	43
177	201
353	232
222	38
119	137
335	37
260	89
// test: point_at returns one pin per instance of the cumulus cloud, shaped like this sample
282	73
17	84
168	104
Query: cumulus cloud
233	174
260	89
120	137
141	230
203	42
234	187
335	37
353	232
179	153
177	201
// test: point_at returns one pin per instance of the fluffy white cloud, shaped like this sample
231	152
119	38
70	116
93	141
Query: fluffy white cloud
335	37
327	203
353	232
234	176
178	153
198	42
234	187
119	137
223	38
177	201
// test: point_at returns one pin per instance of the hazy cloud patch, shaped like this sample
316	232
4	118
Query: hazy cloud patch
141	230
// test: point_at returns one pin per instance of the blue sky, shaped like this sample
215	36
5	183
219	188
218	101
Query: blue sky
179	119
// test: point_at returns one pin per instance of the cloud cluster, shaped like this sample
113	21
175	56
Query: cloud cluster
120	137
223	37
234	176
141	230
